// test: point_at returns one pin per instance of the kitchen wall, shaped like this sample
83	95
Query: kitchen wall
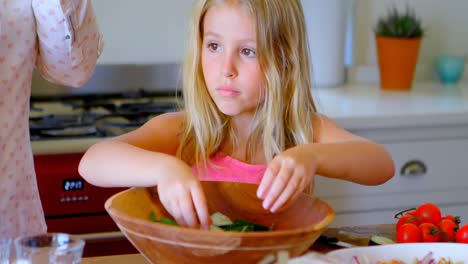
143	47
143	31
154	31
446	23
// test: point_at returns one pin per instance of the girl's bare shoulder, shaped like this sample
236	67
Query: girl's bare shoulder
161	133
172	119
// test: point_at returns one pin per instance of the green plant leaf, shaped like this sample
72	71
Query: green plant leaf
397	24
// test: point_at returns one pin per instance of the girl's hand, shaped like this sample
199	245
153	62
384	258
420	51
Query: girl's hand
286	177
182	196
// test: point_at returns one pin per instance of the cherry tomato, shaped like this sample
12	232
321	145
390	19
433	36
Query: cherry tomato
407	218
429	232
447	230
412	212
429	213
408	233
462	234
455	219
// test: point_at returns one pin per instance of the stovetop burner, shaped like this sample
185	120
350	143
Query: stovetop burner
54	121
64	126
95	115
150	107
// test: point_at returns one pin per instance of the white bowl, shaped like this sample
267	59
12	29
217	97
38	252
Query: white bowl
406	252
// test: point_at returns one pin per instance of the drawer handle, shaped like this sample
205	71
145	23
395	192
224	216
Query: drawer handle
413	168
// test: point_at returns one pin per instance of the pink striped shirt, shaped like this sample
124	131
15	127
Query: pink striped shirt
228	169
61	39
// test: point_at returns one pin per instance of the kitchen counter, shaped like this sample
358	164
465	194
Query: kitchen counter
117	259
369	107
354	235
355	107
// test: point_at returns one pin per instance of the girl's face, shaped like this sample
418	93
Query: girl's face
229	60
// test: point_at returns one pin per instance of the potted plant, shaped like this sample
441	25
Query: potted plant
398	38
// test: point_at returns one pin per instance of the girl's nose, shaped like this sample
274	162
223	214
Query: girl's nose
228	67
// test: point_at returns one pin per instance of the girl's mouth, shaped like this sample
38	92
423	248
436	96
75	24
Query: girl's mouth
228	92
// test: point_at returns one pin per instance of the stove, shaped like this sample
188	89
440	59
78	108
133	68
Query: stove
64	127
101	115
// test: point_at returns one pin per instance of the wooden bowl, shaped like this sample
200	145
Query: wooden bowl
295	228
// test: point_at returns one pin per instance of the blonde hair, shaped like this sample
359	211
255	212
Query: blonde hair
283	119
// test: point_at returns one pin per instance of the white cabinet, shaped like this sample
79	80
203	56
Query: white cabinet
430	166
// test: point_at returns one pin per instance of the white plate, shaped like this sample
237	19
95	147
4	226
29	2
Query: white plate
407	252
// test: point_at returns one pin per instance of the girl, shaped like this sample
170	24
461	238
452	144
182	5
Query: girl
249	117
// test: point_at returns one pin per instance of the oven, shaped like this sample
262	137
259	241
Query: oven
61	129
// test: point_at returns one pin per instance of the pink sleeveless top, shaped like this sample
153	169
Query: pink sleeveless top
227	169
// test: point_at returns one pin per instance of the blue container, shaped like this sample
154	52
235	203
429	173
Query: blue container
449	68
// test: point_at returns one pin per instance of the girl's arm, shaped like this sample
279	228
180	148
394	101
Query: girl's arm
343	155
69	40
145	157
137	158
335	153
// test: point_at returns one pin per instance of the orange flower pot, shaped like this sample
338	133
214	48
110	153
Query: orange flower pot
397	59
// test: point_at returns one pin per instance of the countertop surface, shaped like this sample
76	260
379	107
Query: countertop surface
117	259
353	235
369	107
355	107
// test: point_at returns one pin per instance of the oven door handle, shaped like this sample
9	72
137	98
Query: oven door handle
100	235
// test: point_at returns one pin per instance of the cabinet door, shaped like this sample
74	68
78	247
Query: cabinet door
426	171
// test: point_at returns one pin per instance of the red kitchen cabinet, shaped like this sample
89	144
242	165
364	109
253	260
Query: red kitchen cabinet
71	204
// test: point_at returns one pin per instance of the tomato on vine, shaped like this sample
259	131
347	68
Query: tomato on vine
455	219
425	223
407	218
462	234
408	233
429	213
412	212
429	232
447	230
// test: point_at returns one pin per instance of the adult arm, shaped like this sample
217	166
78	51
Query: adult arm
69	41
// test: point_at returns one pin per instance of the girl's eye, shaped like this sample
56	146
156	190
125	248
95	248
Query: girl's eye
248	52
213	46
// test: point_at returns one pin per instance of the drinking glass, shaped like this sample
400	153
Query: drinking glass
449	68
54	248
5	250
